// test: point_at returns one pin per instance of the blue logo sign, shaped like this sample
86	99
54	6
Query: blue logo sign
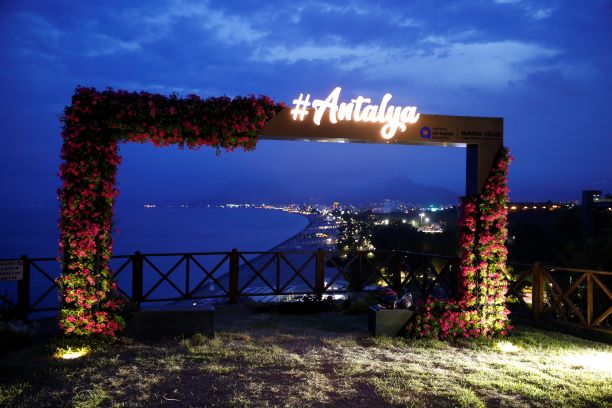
425	132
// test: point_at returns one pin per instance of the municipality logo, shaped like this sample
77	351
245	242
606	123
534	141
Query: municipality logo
425	132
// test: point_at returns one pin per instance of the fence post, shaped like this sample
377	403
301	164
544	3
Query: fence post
397	272
589	299
537	291
187	272
427	268
320	274
137	266
234	260
23	290
455	279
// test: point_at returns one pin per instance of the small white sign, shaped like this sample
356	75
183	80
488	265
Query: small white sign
11	270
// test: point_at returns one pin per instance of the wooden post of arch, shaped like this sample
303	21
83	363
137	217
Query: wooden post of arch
481	136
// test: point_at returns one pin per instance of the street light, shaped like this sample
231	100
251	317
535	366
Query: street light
421	215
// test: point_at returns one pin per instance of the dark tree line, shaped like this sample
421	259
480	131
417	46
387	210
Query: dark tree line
551	237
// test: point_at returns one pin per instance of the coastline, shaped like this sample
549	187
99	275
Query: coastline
305	241
298	236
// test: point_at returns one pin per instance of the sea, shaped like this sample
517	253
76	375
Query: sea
32	231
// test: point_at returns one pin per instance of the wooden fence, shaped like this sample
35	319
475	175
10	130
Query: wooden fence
159	277
578	298
574	297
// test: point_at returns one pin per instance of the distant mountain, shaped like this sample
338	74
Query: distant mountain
255	190
252	190
403	189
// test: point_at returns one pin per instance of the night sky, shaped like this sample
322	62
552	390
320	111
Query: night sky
543	66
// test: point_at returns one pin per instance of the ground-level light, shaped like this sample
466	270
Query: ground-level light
71	353
506	347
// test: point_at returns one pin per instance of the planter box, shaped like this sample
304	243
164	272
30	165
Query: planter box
172	321
387	322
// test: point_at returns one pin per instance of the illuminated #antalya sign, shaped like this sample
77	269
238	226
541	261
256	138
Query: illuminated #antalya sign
359	109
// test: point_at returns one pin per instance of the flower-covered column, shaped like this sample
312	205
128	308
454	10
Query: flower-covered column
483	248
94	125
89	298
481	309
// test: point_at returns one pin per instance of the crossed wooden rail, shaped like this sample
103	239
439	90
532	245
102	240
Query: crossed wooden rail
576	297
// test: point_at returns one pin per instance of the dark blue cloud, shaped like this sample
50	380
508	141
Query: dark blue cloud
542	65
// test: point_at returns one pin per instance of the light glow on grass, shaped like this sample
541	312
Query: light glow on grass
71	353
507	347
592	361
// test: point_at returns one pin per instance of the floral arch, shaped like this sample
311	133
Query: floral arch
98	121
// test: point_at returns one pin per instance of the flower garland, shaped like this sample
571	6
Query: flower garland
93	127
481	310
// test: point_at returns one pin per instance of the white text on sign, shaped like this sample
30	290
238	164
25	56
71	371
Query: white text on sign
359	109
11	270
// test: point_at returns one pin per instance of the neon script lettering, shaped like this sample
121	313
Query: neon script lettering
359	109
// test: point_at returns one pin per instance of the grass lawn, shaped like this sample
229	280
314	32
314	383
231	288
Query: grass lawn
264	360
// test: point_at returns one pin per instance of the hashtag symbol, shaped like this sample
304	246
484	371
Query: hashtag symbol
301	106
